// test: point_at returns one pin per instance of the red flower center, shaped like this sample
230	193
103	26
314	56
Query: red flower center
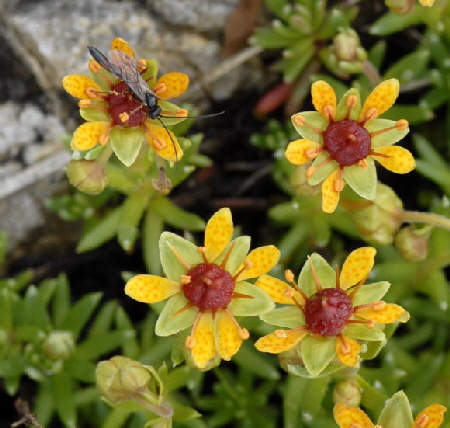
210	287
327	311
124	108
347	142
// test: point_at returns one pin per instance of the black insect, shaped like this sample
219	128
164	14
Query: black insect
126	68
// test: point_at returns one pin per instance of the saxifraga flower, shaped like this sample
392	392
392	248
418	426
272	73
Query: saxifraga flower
207	288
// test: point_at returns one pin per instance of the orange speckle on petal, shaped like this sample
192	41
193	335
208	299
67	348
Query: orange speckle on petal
324	99
218	233
151	288
381	98
88	135
262	260
348	351
204	348
122	45
330	196
229	335
431	417
171	85
357	266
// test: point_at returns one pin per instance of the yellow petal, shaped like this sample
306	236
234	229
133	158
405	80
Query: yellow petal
297	151
122	45
431	417
275	345
348	417
381	99
218	233
427	3
171	85
204	348
261	260
87	135
77	84
357	266
348	351
330	196
150	288
278	289
229	339
163	142
388	314
323	95
399	160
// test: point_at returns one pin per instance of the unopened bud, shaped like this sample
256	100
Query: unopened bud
347	392
59	345
413	243
88	176
300	183
349	53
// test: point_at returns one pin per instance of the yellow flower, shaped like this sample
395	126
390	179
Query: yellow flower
427	3
344	139
354	417
207	287
330	314
115	115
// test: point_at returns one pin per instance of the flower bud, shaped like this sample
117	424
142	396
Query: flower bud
347	392
350	56
400	7
88	176
378	220
300	183
58	345
413	243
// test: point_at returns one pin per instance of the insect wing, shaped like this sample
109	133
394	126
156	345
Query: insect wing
126	68
102	60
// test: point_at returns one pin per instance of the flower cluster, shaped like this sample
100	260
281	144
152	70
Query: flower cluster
343	139
207	288
117	117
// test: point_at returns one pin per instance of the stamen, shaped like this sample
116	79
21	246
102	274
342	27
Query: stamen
299	120
377	306
142	64
345	347
371	114
353	425
314	275
103	138
185	279
382	155
95	67
286	333
247	265
290	293
183	262
400	125
312	169
227	256
160	88
338	278
338	185
191	341
367	323
124	117
329	112
358	286
243	332
184	308
289	276
202	251
313	153
351	102
241	296
182	112
92	93
159	143
363	162
422	421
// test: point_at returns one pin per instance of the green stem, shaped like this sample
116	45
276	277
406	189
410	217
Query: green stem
105	155
428	218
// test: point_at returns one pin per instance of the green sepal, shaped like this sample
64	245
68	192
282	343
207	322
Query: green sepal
361	332
287	317
151	72
326	274
369	293
342	107
168	323
130	216
241	246
175	216
172	267
302	372
94	153
323	170
362	180
396	412
104	79
126	143
313	118
257	303
317	353
387	138
92	114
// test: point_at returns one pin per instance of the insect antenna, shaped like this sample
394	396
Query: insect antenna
202	116
170	136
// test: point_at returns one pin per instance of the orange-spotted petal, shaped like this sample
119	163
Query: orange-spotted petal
384	313
349	417
278	290
274	344
431	417
301	151
228	333
395	159
171	85
348	350
204	348
260	260
357	266
330	196
122	45
88	134
218	233
380	99
324	98
77	85
151	288
163	142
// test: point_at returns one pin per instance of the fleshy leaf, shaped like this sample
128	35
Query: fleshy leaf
257	303
317	353
168	323
126	143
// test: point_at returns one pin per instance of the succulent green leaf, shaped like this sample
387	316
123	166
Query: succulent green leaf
130	216
257	303
62	386
175	216
94	347
168	323
362	180
317	353
172	266
126	143
151	232
391	23
409	67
